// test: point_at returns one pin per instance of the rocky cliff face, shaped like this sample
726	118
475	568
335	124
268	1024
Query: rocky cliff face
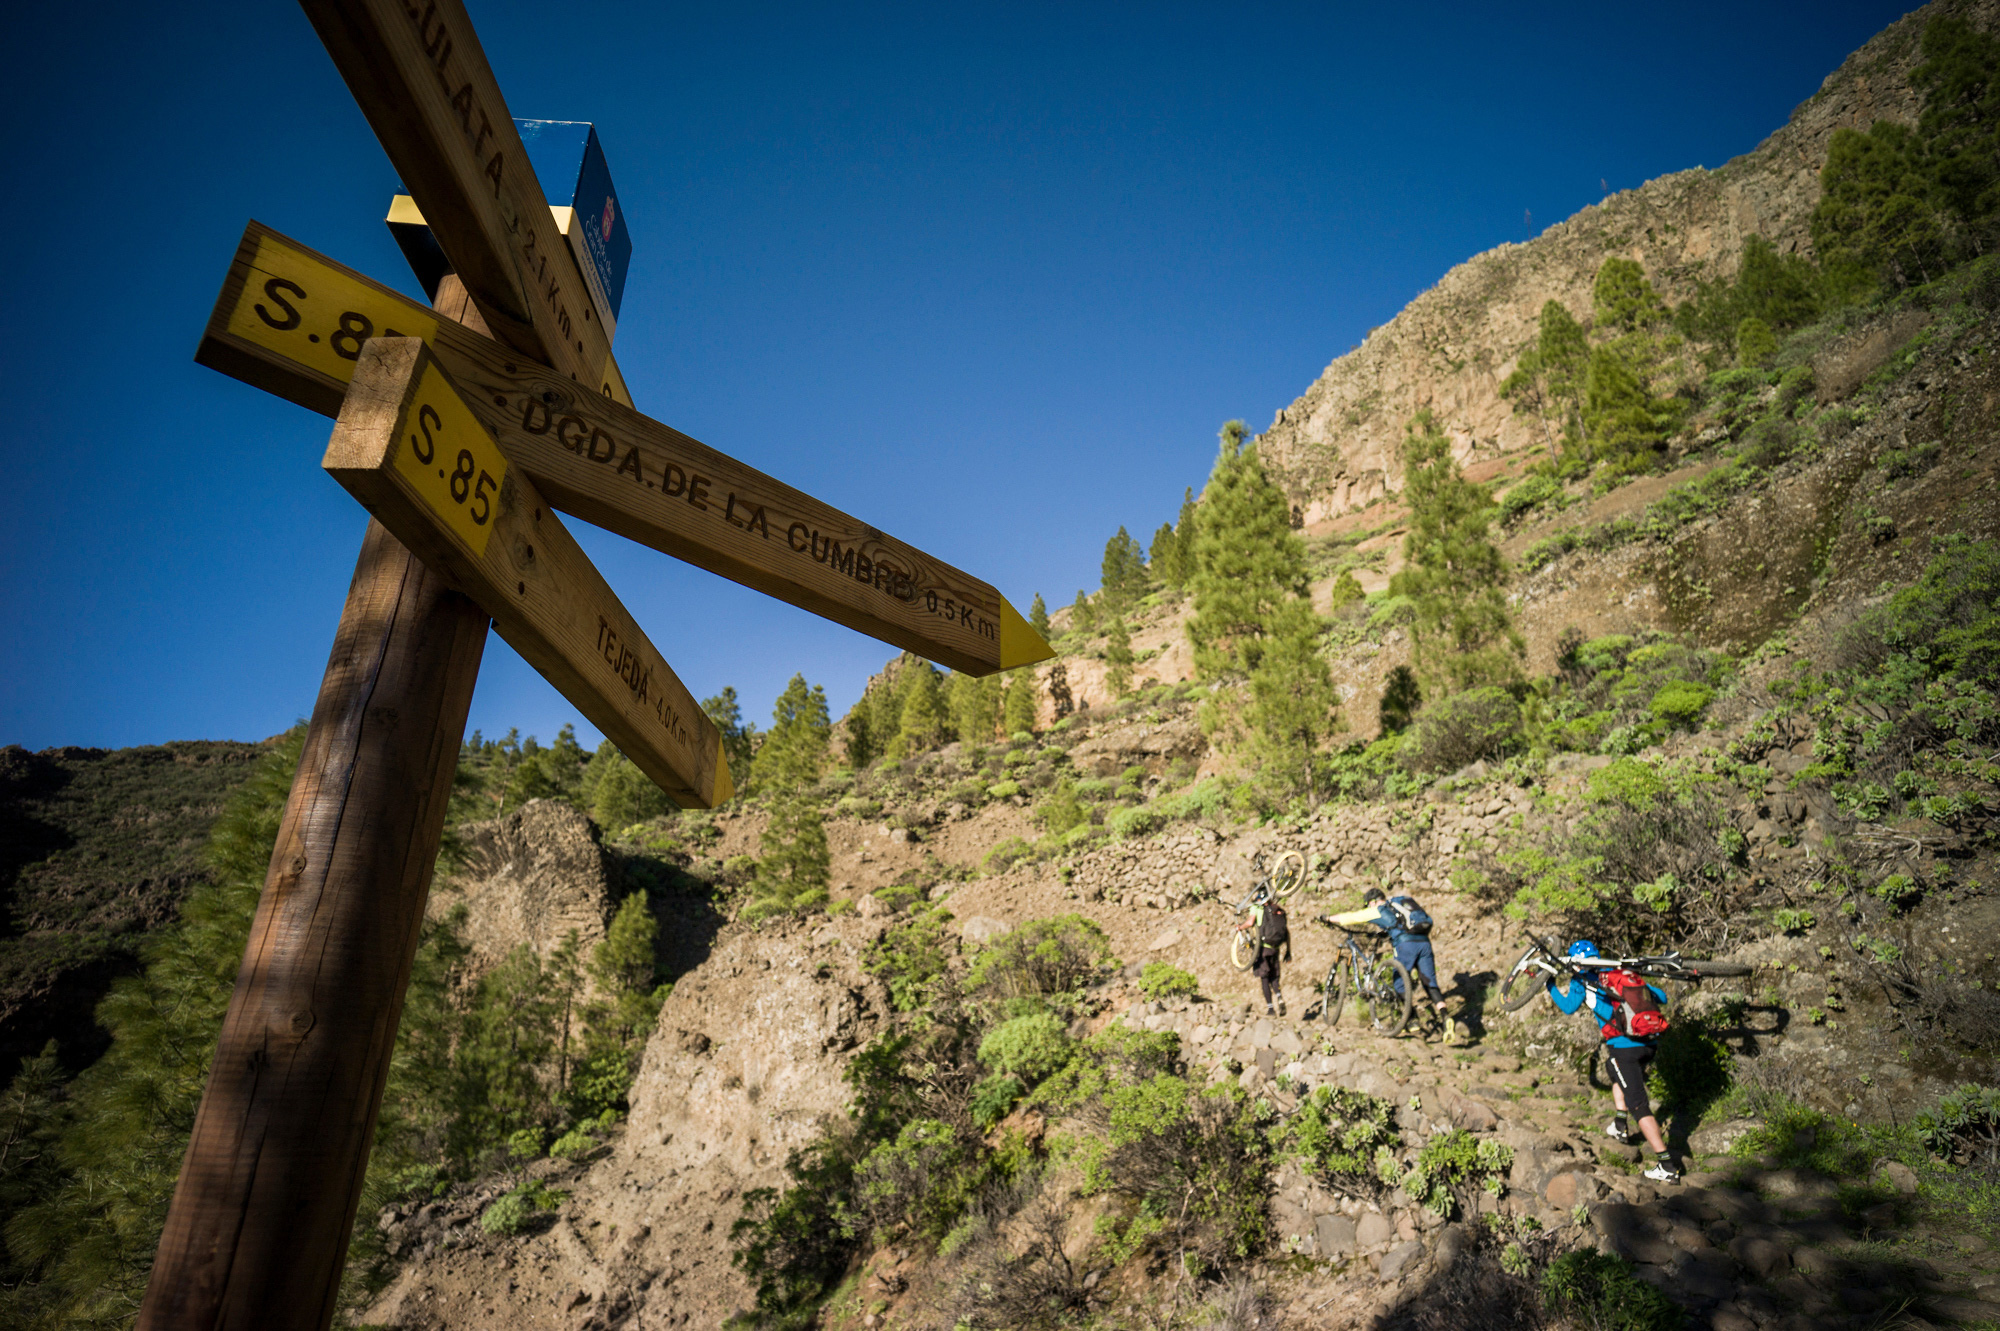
531	877
1334	448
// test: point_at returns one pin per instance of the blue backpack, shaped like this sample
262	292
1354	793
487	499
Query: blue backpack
1410	915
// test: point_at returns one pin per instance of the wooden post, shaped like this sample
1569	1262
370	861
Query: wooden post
257	1232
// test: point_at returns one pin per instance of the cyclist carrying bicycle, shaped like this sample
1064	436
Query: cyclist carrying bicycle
1628	1012
1408	926
1274	934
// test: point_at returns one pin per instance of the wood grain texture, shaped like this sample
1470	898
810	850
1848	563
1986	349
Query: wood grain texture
421	78
610	465
403	440
258	1228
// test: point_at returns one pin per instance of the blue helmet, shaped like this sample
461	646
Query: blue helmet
1583	947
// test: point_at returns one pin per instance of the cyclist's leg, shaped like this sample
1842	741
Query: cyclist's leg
1422	964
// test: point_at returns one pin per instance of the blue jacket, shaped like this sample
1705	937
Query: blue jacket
1574	995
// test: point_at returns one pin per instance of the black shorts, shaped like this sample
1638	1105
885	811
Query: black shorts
1628	1071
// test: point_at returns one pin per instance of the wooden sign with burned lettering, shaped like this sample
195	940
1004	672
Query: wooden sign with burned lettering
420	76
292	322
410	449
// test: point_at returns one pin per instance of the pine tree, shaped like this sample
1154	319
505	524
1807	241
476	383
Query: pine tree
974	705
1549	377
1023	702
1083	613
739	741
1118	656
1625	301
1248	560
619	1018
794	752
1627	425
1186	524
619	794
1165	555
1755	343
1960	126
792	870
924	723
1123	571
1292	703
1452	572
1038	617
1876	214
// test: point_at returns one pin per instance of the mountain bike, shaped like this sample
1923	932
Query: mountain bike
1543	962
1287	875
1374	979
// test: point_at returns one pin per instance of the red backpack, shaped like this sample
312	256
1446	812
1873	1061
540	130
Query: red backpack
1635	1013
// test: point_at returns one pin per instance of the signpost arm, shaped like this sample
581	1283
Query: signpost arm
257	1231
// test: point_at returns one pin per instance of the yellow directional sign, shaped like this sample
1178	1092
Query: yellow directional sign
288	321
409	448
422	80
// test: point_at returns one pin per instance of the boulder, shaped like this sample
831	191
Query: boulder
1400	1259
1374	1230
1760	1257
1719	1138
1335	1235
979	930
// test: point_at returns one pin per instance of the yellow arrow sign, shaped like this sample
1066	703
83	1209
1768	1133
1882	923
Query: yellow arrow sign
292	322
409	448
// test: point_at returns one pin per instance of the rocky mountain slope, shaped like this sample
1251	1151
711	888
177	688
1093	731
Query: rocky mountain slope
1450	349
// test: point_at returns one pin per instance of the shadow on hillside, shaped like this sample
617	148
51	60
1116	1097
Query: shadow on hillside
688	907
1471	1289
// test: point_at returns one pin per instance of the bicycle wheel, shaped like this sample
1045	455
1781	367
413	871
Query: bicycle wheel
1335	1001
1523	982
1388	1010
1288	875
1242	949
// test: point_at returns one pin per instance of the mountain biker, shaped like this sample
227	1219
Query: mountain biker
1273	933
1629	1045
1408	927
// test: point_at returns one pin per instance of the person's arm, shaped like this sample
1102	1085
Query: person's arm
1570	997
1366	915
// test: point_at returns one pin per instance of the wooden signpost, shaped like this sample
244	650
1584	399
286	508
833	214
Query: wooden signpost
292	322
410	450
458	426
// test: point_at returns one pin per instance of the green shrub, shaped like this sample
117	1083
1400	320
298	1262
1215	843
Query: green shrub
1005	855
1347	1138
1528	494
1061	809
1479	723
1453	1166
899	896
1004	790
1041	959
1195	1158
1030	1048
924	1178
1964	1126
1693	1068
1793	920
1159	980
514	1211
1681	703
1135	822
994	1098
911	958
1604	1292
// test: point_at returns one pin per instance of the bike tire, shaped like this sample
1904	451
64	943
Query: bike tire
1335	1000
1288	875
1523	982
1388	1011
1242	950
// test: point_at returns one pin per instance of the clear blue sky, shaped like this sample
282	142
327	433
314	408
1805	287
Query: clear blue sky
987	276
